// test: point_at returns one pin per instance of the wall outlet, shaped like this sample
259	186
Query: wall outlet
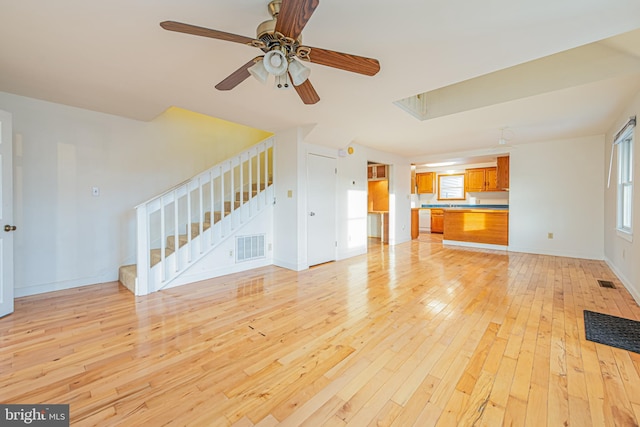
95	191
231	254
269	247
549	235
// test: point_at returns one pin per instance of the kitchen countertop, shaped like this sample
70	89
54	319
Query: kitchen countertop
479	210
460	206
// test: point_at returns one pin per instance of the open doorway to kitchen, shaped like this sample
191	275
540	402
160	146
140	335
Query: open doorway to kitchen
378	203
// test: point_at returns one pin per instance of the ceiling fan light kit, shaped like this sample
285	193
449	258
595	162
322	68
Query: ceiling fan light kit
259	72
280	38
275	62
298	72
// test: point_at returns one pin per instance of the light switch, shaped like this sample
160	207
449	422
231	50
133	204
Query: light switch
290	193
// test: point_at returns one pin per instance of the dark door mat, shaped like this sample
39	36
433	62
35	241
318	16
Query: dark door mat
612	330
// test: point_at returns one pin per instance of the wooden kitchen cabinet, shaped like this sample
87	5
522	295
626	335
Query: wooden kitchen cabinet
377	172
415	231
474	180
481	179
437	220
378	197
425	182
491	178
503	173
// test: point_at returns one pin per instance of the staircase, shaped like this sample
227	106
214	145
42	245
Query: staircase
179	227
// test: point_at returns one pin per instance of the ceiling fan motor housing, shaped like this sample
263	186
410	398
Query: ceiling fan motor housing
267	29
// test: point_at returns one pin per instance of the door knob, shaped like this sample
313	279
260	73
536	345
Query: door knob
312	214
9	228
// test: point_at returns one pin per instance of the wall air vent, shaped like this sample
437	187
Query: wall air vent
250	247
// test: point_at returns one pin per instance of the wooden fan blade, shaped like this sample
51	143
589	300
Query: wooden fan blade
344	61
179	27
293	16
307	92
237	77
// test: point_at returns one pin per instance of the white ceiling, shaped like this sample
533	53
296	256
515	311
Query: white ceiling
112	56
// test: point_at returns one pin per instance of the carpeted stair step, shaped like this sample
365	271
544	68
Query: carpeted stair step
245	195
254	186
127	276
217	216
195	228
156	255
171	243
227	206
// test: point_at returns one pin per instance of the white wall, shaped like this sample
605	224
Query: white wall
290	221
68	238
556	187
622	255
288	251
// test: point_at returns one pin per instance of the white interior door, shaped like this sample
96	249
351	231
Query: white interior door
321	209
6	214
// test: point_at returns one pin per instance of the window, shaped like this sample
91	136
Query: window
451	187
625	180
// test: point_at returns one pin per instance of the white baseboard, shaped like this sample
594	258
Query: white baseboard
475	245
537	251
625	281
62	285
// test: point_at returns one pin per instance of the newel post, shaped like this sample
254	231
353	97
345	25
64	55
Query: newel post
143	248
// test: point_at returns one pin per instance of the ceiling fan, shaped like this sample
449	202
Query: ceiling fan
280	40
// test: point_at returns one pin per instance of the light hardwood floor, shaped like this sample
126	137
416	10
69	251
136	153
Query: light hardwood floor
416	334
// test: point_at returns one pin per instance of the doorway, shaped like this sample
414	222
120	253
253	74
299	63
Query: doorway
378	202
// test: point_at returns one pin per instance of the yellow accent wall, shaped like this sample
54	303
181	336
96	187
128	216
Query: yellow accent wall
217	139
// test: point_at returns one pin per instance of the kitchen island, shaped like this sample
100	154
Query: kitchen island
476	227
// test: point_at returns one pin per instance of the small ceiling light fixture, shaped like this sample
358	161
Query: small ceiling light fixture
275	62
258	71
299	73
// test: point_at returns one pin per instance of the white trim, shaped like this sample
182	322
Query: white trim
538	251
624	234
625	281
475	245
64	285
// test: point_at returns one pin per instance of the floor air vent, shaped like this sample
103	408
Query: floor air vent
249	247
606	284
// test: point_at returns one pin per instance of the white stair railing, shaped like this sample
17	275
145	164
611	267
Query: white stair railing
183	224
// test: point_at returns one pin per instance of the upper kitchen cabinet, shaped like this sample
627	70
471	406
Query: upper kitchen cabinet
377	172
425	182
481	179
503	173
